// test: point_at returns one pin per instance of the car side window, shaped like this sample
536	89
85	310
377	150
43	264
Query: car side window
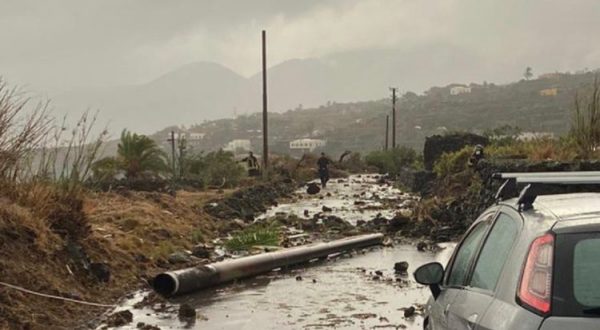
466	252
494	253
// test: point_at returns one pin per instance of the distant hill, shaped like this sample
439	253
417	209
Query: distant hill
539	105
206	91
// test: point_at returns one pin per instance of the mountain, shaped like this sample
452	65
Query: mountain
192	93
205	91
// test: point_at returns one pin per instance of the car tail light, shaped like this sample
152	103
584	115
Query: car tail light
535	290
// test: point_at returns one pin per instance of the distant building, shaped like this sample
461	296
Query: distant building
238	145
194	139
457	90
549	92
307	144
191	139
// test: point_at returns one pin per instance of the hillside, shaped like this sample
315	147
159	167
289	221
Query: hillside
360	126
208	91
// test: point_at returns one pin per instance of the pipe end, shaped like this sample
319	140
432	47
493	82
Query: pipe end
165	284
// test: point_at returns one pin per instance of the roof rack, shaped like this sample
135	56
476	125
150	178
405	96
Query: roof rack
531	184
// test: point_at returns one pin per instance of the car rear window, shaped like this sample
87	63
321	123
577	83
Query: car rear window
586	272
576	283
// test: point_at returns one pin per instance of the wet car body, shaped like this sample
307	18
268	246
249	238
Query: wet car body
490	299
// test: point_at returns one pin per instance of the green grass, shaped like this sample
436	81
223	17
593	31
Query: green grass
251	237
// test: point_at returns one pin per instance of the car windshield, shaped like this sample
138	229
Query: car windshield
577	284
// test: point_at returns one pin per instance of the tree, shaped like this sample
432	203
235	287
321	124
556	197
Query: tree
137	154
528	73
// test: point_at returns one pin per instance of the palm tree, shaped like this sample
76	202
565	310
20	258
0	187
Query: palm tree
138	153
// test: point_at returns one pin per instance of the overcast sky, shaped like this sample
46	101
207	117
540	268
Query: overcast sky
70	44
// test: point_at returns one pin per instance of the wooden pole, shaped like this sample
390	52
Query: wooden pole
265	120
393	116
387	129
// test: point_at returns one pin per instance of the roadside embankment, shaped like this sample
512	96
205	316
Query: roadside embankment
98	246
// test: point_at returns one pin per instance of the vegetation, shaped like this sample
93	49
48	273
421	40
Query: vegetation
394	160
259	235
453	162
138	154
585	127
217	168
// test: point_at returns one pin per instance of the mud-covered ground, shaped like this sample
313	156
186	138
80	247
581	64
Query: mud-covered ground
357	290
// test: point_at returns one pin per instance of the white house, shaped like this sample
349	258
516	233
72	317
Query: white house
238	145
194	139
307	144
457	90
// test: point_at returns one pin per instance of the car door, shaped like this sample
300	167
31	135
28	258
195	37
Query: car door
471	303
457	270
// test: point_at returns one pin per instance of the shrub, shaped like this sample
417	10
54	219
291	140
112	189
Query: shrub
535	150
454	162
392	161
585	126
217	168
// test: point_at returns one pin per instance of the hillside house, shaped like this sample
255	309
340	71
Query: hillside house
549	92
457	90
307	144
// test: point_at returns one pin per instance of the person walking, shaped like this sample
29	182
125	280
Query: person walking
323	166
251	164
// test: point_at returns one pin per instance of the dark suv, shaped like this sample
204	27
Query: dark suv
531	262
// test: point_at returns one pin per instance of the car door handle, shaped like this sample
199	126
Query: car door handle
472	321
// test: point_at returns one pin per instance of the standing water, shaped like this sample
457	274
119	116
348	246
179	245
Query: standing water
352	291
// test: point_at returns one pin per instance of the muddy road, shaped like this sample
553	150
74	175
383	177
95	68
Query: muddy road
358	290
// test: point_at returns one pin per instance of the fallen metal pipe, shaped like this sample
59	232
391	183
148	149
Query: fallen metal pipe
200	277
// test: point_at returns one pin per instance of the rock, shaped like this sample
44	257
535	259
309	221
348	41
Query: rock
119	319
298	278
326	209
306	213
179	258
378	272
401	267
313	189
144	326
388	242
201	251
328	194
398	222
376	278
409	312
140	258
360	223
421	246
100	271
186	312
314	280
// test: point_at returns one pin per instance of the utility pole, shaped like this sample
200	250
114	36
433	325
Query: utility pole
181	145
393	89
265	122
172	140
387	129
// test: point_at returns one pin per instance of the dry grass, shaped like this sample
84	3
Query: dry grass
121	229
